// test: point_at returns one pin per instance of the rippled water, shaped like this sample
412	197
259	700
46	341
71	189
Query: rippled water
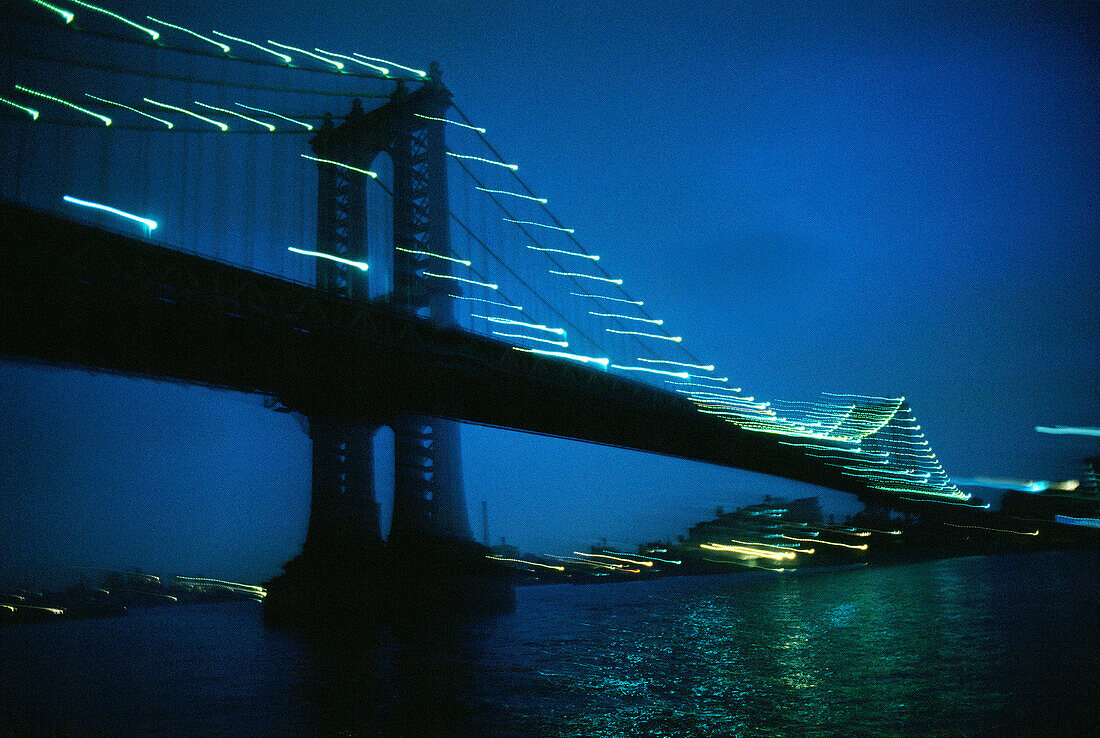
981	646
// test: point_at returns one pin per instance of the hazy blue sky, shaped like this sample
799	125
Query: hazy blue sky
886	198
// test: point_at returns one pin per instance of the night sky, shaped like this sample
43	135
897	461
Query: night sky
881	198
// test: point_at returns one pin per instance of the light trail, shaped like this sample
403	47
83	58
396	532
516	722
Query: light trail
220	125
150	224
616	558
361	265
593	257
268	126
563	355
995	530
417	72
562	344
533	326
706	368
112	102
543	200
437	256
29	111
1067	430
541	225
629	317
66	103
254	45
587	276
152	34
651	371
188	31
639	303
307	126
453	123
424	273
63	13
491	302
381	70
342	165
861	547
674	339
525	561
338	65
513	167
775	556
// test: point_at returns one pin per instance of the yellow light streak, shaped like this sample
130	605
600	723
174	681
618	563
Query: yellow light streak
417	72
254	45
381	70
338	65
361	265
436	256
706	368
222	126
616	558
152	34
29	111
307	126
543	200
513	167
586	276
540	225
524	561
453	123
674	339
66	103
342	165
563	355
995	530
219	44
650	371
268	126
112	102
63	13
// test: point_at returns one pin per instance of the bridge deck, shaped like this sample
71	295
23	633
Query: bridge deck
76	295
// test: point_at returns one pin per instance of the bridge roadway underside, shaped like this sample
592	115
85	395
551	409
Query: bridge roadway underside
71	294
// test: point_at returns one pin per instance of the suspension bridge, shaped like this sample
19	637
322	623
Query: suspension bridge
329	229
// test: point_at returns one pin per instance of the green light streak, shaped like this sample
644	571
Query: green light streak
382	70
491	302
435	256
639	303
63	13
219	44
361	265
587	276
246	42
222	126
338	65
112	102
66	103
681	375
268	126
153	34
593	257
460	125
342	165
674	339
707	368
563	355
513	167
563	344
424	273
629	317
29	111
417	72
150	224
533	326
543	200
542	225
307	126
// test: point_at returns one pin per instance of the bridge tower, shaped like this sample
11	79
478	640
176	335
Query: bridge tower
428	496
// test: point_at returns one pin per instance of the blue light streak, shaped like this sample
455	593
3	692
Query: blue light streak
150	224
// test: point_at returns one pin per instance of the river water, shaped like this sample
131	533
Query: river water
996	646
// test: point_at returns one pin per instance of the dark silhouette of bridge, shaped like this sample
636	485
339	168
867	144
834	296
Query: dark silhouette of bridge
74	294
